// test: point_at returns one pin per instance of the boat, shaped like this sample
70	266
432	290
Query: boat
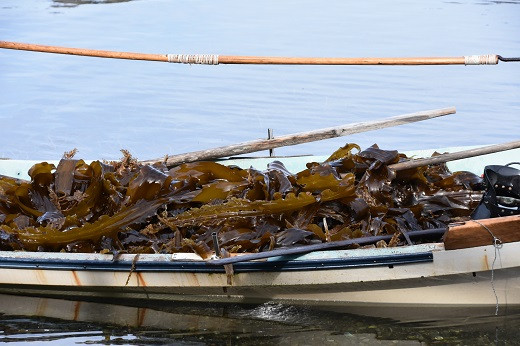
475	265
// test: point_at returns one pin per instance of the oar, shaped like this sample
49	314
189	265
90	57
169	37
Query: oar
323	246
213	59
302	137
464	154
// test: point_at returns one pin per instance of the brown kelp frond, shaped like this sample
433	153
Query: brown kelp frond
129	207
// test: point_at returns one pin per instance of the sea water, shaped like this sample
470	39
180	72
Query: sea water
52	103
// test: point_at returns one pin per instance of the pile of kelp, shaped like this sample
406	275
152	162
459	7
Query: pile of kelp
127	207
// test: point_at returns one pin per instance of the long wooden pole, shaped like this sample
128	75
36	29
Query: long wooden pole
464	154
82	52
302	137
488	59
272	60
300	250
234	59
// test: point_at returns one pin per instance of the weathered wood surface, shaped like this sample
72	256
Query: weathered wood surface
472	233
455	156
302	137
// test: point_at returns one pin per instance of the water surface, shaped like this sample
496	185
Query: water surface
50	103
63	322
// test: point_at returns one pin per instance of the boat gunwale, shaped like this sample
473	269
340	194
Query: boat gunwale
282	264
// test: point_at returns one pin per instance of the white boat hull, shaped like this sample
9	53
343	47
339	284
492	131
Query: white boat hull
422	275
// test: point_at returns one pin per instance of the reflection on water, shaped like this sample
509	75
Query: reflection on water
30	319
74	3
500	2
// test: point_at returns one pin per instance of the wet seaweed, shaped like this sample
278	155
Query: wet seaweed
128	207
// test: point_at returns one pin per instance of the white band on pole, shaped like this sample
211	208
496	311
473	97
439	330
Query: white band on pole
489	59
206	59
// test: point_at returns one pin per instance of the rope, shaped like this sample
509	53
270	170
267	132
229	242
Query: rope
205	59
489	59
132	269
501	58
497	244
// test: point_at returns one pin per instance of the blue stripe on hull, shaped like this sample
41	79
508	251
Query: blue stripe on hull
289	264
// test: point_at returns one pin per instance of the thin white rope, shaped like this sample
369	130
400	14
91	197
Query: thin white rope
497	244
489	59
205	59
